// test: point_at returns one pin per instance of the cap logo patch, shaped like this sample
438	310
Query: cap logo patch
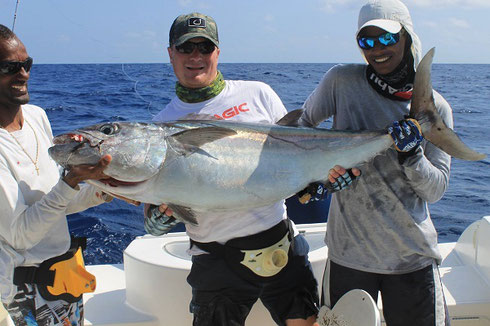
196	22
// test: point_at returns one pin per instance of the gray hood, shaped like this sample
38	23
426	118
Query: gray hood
390	15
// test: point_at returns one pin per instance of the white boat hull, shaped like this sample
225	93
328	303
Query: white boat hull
151	288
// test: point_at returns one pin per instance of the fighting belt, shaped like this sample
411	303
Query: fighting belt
268	261
257	257
63	277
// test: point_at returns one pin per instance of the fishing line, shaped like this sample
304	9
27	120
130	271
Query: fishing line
136	91
15	14
95	40
81	27
103	48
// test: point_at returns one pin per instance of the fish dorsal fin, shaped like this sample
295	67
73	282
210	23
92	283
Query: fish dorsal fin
197	137
291	118
183	214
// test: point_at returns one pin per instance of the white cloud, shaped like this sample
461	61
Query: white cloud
269	25
450	3
269	18
452	22
336	5
64	38
193	3
460	23
430	24
144	35
184	3
159	46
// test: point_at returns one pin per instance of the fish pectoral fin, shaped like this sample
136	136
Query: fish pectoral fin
199	136
181	149
291	119
183	214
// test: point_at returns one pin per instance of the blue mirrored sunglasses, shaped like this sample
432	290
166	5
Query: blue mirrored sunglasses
386	39
13	67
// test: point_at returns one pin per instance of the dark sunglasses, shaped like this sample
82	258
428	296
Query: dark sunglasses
387	39
13	67
188	47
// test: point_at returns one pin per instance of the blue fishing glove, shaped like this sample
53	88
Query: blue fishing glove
318	191
157	223
406	135
314	192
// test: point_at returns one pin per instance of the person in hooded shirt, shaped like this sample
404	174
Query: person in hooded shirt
379	233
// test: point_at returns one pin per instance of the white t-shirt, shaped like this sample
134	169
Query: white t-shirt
33	224
248	101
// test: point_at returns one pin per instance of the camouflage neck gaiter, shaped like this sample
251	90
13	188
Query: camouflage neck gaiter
196	95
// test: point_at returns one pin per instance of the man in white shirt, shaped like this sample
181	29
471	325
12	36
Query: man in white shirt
223	289
34	200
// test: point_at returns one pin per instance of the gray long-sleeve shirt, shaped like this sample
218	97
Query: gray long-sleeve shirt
380	224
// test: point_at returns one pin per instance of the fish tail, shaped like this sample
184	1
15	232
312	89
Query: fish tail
425	112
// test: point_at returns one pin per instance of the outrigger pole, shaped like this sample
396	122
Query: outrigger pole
15	14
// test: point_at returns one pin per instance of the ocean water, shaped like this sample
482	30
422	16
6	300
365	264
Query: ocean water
78	95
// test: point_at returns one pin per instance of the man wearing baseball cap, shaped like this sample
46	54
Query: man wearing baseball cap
380	236
224	284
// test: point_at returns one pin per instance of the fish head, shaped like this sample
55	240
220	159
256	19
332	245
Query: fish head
137	149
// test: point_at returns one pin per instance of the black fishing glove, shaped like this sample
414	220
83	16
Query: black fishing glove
157	223
319	191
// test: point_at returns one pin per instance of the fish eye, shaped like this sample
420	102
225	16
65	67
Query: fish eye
109	129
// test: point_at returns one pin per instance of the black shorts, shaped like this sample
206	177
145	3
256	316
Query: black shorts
221	297
408	299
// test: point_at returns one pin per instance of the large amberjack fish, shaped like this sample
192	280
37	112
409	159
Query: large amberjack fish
217	165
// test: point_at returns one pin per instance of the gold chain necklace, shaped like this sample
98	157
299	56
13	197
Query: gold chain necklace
23	149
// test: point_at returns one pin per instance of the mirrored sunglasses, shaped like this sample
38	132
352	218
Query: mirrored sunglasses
13	67
188	47
386	39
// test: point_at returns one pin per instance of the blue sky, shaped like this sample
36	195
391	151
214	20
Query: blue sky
131	31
